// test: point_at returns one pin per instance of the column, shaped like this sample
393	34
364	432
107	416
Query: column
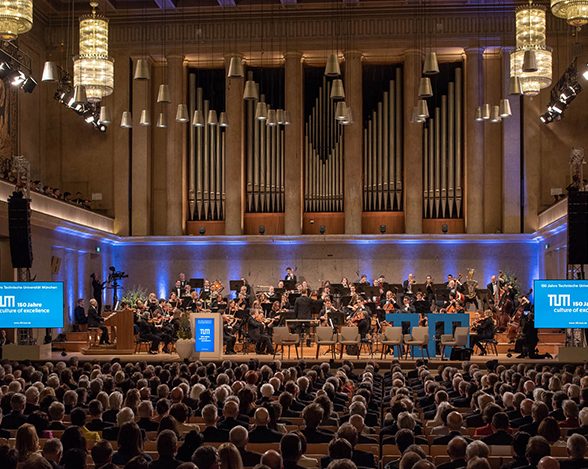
531	132
413	145
293	155
353	138
474	164
511	155
141	158
175	147
233	154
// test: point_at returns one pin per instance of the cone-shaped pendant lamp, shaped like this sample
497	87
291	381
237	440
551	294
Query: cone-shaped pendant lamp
332	68
505	110
250	91
341	111
144	120
495	114
286	118
105	117
479	117
126	121
163	95
514	86
142	70
422	109
348	117
236	68
198	118
79	96
431	66
212	118
261	111
182	115
530	61
425	88
272	119
50	72
337	90
162	121
223	121
486	111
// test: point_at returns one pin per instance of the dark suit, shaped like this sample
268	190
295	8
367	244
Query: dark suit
456	464
527	419
165	463
80	315
316	436
580	430
14	420
229	423
304	307
110	433
56	426
256	332
573	463
474	420
445	439
530	428
249	458
263	434
148	425
500	437
98	425
363	458
95	320
213	434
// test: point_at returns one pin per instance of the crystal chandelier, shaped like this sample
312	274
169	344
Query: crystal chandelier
531	39
575	12
16	17
93	68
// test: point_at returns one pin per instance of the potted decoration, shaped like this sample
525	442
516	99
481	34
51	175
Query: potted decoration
185	342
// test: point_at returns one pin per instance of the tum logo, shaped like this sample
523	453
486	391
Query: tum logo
559	300
7	302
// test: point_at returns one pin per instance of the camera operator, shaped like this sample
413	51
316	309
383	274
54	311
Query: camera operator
97	288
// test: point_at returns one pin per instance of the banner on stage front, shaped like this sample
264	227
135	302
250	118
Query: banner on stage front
561	303
31	304
204	328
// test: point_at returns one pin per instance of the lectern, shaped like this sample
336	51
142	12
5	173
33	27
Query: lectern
207	333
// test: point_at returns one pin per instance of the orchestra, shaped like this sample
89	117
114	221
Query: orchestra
250	313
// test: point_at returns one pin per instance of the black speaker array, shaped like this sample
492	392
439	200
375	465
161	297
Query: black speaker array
19	229
578	227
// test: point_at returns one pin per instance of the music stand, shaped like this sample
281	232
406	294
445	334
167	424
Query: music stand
267	307
289	284
196	283
235	285
345	300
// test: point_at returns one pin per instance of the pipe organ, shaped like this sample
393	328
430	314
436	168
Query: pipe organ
323	154
206	191
383	150
443	150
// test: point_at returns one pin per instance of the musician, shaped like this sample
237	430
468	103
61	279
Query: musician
408	285
186	296
290	276
493	290
152	302
205	292
95	320
243	301
455	304
192	303
177	289
345	282
325	314
174	300
429	288
257	333
182	279
363	280
218	303
360	318
471	294
248	289
421	304
281	285
389	304
229	338
407	306
304	306
146	332
272	295
530	336
484	329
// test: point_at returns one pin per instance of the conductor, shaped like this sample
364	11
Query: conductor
304	306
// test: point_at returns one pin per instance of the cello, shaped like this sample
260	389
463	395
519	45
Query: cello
514	325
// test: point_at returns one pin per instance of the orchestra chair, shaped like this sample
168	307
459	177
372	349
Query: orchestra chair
392	338
491	345
349	335
94	336
139	343
326	336
282	337
419	337
459	339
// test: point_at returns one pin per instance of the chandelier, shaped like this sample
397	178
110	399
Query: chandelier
531	49
93	68
575	12
16	17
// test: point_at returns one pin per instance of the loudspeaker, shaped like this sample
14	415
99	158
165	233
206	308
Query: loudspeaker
19	229
578	227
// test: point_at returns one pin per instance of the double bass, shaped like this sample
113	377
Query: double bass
513	329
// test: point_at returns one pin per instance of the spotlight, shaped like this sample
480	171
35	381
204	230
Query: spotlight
261	229
5	69
558	107
17	78
445	228
547	118
382	229
202	231
323	229
29	85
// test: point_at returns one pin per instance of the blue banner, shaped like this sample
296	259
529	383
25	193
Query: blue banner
31	304
561	303
204	328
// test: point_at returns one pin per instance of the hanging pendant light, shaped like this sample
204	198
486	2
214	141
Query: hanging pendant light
105	117
425	88
286	118
348	116
495	114
479	117
422	109
198	118
127	120
236	68
142	71
162	121
145	121
93	68
272	119
486	112
79	96
212	118
337	90
223	121
250	91
16	17
182	115
280	116
163	95
529	61
50	72
505	110
341	111
261	111
431	66
575	12
332	69
514	86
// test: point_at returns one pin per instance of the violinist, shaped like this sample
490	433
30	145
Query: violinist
345	282
152	302
229	338
421	305
483	329
192	303
363	280
407	307
205	292
174	300
186	295
272	295
360	318
218	303
257	333
281	285
455	304
326	314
